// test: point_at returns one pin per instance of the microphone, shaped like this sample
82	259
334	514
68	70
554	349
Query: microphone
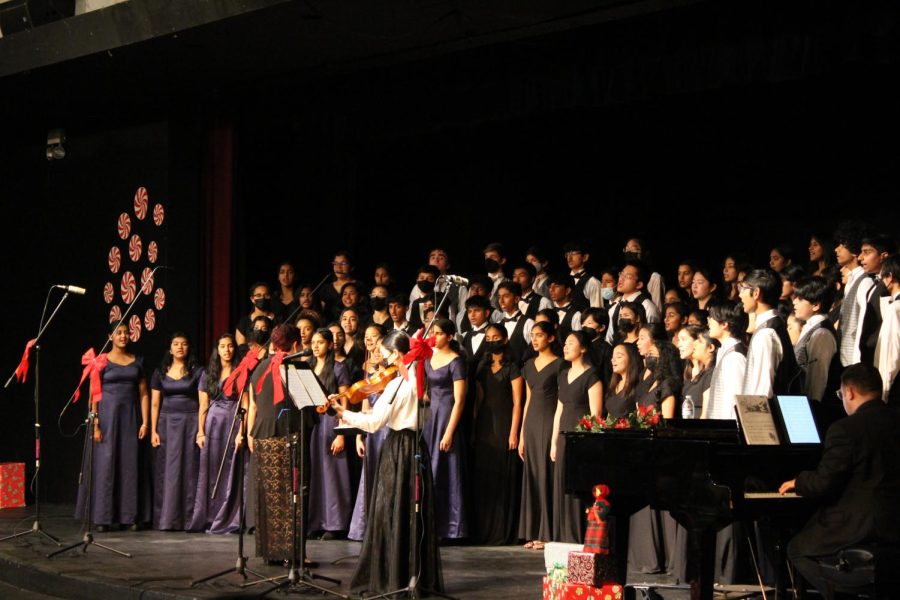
301	354
71	289
456	280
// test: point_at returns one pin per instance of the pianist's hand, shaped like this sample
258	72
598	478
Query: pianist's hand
787	486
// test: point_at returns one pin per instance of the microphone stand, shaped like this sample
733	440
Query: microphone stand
413	589
88	538
36	527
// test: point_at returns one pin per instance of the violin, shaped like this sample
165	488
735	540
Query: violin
362	389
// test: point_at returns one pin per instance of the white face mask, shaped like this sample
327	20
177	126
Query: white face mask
538	267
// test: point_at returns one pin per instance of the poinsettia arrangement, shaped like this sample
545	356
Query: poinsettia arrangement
643	417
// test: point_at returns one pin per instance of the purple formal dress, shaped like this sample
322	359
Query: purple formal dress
219	514
177	459
374	441
446	467
330	500
116	466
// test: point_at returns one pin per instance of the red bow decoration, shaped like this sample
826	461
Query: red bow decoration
274	370
93	366
419	350
240	374
22	369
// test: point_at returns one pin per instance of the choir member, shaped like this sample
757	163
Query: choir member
817	344
261	300
727	325
287	301
781	256
698	351
586	292
704	287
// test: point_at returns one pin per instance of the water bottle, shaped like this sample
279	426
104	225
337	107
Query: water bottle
687	408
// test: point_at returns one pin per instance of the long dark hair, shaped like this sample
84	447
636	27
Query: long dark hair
214	369
327	376
550	331
632	373
590	357
189	364
669	367
487	359
449	328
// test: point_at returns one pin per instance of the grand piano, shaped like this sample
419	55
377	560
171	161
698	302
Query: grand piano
698	470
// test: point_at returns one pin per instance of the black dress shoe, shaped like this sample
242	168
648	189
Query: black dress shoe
101	528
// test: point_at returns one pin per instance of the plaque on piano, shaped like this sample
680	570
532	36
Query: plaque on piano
757	423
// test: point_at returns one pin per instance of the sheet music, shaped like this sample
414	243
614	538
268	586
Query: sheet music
303	386
757	424
798	420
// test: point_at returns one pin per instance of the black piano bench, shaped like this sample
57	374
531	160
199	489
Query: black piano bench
866	570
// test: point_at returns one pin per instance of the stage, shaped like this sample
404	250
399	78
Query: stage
164	563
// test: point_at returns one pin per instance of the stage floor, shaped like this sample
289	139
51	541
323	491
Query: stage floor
164	563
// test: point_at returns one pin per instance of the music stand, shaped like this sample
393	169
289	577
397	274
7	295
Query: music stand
304	390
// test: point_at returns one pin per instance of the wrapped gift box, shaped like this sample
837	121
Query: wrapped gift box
558	553
590	568
553	582
579	591
12	485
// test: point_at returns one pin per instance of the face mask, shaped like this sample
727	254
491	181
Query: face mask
496	346
491	265
378	303
626	325
608	293
264	304
651	362
425	286
262	336
538	267
632	256
590	332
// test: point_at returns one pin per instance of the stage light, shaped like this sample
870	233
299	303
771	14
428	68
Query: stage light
55	140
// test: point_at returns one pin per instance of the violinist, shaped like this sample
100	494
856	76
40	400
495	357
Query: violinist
393	522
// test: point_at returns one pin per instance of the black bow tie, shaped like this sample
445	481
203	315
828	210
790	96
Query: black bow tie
514	319
479	331
578	275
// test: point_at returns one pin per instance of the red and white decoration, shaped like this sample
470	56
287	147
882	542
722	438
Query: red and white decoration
12	485
124	226
152	250
115	259
147	281
128	288
115	313
159	299
134	248
134	328
108	293
149	319
159	214
141	200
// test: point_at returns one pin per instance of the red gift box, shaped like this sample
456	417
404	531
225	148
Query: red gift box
579	591
12	485
591	568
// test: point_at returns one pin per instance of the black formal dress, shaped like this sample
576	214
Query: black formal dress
569	522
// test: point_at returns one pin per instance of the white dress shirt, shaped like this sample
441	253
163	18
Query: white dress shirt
763	357
396	407
544	302
728	377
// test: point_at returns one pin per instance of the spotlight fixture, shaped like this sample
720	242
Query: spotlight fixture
55	140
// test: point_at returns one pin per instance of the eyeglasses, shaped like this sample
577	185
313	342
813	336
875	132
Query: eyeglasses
624	275
839	394
743	287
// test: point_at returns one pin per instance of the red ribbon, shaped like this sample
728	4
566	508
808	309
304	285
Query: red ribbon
274	370
420	351
22	369
240	374
93	366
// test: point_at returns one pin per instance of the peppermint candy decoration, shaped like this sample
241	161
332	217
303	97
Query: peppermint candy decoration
158	214
149	319
115	313
140	203
159	299
147	281
134	248
108	292
152	250
124	226
115	259
134	328
128	287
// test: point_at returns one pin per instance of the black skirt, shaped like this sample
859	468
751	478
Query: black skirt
388	559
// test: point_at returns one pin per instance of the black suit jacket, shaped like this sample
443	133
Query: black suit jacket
857	483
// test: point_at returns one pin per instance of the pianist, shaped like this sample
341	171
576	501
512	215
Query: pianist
857	483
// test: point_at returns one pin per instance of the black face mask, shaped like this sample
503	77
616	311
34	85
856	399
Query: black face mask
260	336
496	346
264	304
378	303
425	286
651	362
491	265
590	332
632	256
626	325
